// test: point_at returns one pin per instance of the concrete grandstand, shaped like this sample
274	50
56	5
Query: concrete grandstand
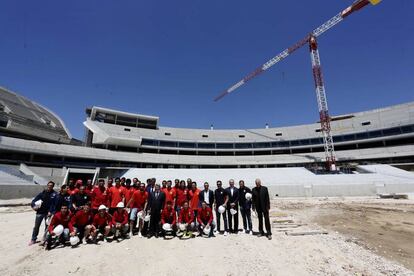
36	142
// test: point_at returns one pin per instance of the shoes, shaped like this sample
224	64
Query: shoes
84	241
127	236
139	234
246	231
105	240
269	237
225	233
260	235
251	232
236	232
31	242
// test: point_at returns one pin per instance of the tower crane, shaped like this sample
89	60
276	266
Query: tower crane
311	40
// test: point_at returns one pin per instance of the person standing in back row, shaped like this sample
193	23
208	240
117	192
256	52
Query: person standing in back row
261	203
233	204
245	207
220	196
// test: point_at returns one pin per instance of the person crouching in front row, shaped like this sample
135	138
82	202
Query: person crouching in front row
58	230
101	226
205	220
186	221
168	221
120	222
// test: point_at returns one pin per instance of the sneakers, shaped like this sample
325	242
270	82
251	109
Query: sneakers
225	233
31	242
84	241
251	232
139	234
105	240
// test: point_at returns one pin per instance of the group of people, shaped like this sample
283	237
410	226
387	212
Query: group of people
87	213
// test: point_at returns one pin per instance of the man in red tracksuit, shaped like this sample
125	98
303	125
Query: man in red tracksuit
137	203
60	218
99	196
205	218
187	217
120	222
182	196
168	216
102	223
81	223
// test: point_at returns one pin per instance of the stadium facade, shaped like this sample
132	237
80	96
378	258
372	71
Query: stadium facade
34	137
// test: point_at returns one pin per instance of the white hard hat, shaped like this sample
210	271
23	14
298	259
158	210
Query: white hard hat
74	240
248	196
206	230
38	203
120	205
140	214
166	227
103	207
58	230
182	226
233	211
221	209
147	218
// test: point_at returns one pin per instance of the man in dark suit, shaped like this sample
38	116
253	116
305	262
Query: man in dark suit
261	203
156	202
206	195
233	203
245	207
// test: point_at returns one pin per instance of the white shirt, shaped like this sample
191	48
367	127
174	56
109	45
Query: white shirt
206	197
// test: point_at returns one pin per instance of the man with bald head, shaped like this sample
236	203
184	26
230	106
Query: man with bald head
261	204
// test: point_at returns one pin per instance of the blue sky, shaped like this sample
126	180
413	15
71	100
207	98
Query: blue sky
171	58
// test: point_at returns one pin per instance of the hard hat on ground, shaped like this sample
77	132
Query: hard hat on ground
74	240
166	227
221	209
248	196
206	230
233	211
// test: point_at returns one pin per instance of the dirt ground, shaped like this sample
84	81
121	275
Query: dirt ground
384	226
329	254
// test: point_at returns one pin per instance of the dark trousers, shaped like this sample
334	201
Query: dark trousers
38	221
218	215
154	227
246	215
260	215
233	227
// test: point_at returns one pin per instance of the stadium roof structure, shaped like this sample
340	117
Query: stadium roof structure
24	118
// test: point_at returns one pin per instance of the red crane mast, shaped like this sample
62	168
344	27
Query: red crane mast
310	39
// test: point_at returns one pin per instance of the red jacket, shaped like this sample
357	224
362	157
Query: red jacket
205	216
182	196
186	216
80	219
99	221
168	216
57	219
99	197
120	217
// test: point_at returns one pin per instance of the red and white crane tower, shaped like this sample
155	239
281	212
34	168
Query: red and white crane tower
310	39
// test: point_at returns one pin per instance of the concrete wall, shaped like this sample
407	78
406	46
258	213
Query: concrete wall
20	191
